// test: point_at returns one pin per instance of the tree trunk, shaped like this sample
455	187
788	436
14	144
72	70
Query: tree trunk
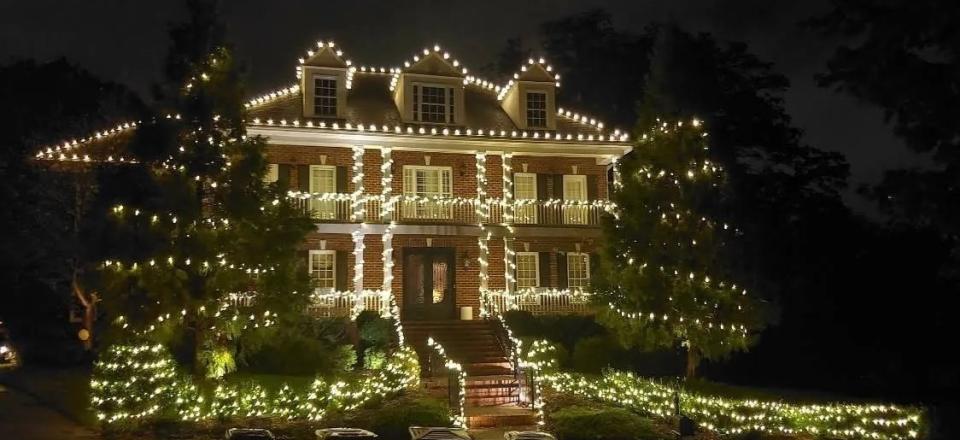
693	361
89	302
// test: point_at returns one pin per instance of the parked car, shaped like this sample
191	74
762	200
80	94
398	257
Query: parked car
248	434
8	356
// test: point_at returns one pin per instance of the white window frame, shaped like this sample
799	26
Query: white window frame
536	269
449	109
323	209
427	209
336	95
525	213
575	214
333	268
586	262
273	173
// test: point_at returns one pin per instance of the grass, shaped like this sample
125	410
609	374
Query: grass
65	390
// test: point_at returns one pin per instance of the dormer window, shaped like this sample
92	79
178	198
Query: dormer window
536	110
325	96
433	104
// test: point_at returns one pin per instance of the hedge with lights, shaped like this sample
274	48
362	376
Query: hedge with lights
727	415
135	383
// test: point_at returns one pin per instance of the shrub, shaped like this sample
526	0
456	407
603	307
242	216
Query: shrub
375	331
603	423
592	355
393	419
374	359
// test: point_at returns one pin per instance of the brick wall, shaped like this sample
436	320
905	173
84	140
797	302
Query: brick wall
372	262
564	165
556	247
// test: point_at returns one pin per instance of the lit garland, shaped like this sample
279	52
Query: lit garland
732	416
136	383
458	417
523	68
59	152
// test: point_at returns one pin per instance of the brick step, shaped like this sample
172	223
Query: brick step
492	392
487	371
499	416
491	401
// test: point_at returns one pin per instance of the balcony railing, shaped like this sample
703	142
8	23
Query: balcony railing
406	208
537	301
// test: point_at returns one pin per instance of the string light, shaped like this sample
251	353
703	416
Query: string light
458	418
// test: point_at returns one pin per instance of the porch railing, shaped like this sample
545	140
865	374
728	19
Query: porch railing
537	301
559	212
327	304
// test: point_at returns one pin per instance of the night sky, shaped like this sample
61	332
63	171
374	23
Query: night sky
125	41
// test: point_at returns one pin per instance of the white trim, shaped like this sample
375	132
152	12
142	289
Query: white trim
604	152
536	266
579	178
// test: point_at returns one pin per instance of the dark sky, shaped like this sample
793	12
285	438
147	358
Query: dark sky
125	41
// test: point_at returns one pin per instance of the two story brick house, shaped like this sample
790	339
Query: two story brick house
455	195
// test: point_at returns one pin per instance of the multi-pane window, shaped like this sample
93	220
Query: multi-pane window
324	96
578	270
430	182
433	104
525	191
528	270
575	190
323	180
536	110
323	269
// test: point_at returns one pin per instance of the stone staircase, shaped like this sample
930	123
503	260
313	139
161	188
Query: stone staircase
492	391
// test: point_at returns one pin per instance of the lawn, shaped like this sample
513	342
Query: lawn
66	390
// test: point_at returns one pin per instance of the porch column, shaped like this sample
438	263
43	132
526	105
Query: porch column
507	206
358	304
509	265
387	259
386	182
357	199
482	209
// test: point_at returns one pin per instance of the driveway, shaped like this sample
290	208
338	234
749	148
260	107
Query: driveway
22	417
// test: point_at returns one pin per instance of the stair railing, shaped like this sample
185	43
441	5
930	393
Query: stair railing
511	346
456	382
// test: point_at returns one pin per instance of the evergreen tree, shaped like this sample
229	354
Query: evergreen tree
662	275
208	229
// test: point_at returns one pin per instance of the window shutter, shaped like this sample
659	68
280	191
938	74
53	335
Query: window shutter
283	175
592	187
304	255
542	193
544	263
593	260
341	270
303	178
558	186
341	179
562	270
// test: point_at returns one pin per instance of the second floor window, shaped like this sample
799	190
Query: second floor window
433	104
323	269
536	110
425	181
578	270
324	96
528	270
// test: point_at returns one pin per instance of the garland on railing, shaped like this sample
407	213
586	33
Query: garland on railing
135	383
457	417
512	300
732	416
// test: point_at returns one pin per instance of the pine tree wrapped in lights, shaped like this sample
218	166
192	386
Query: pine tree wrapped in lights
134	382
663	275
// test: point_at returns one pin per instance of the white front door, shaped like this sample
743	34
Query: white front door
574	191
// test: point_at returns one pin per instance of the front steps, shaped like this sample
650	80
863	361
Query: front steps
492	391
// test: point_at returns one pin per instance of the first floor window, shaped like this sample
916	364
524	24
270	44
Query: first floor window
536	110
323	269
324	96
528	270
273	173
578	270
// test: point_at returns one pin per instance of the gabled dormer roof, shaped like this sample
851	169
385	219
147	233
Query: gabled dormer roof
327	55
435	62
